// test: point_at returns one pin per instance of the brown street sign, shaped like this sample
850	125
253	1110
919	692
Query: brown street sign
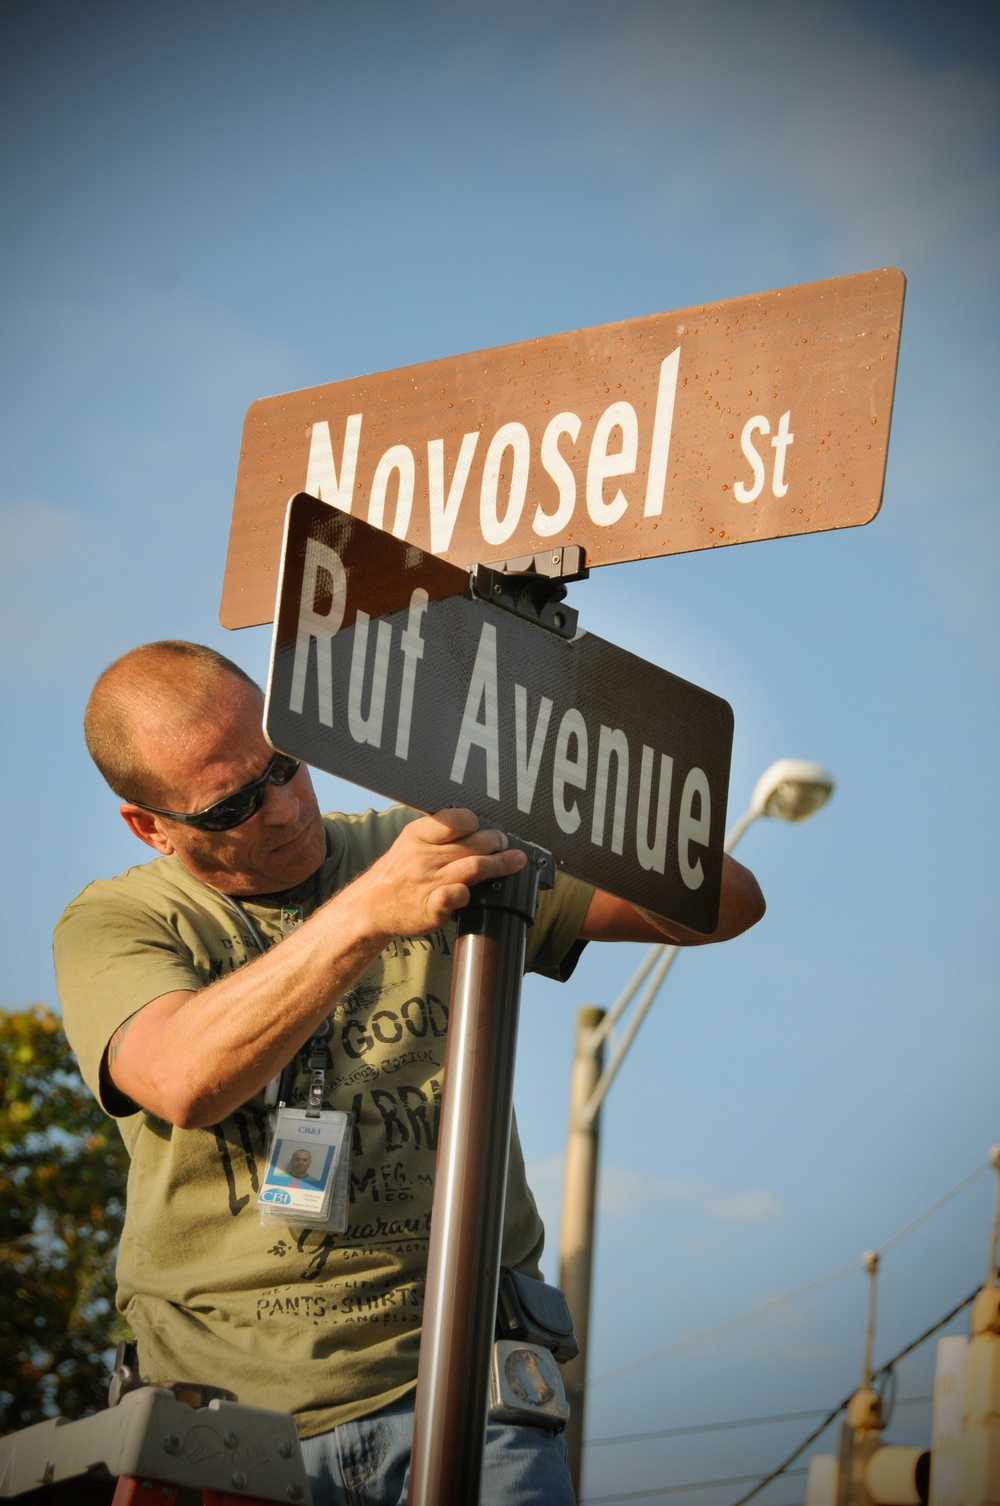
748	419
387	672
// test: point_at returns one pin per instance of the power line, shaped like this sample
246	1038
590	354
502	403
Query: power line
831	1416
783	1469
671	1490
740	1422
717	1328
801	1291
934	1208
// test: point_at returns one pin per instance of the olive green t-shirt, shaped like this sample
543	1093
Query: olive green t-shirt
323	1325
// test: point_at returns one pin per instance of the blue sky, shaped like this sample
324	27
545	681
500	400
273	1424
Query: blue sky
206	205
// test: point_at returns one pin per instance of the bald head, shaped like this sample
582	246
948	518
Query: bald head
158	694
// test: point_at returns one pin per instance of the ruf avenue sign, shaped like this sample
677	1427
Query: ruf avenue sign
749	419
386	671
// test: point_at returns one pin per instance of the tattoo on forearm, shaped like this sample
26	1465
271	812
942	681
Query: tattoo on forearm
115	1043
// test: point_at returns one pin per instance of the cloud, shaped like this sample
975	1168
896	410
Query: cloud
48	555
135	360
626	1193
120	417
798	108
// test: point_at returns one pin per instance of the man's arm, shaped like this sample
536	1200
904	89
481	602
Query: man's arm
193	1057
741	905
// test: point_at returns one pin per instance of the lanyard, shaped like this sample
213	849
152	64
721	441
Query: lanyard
279	1089
319	1057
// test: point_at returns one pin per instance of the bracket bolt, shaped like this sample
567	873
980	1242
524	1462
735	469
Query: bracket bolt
285	1450
294	1492
239	1480
230	1439
171	1444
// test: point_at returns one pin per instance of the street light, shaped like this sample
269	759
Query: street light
789	790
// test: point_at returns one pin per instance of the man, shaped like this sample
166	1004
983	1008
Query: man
299	1167
182	1007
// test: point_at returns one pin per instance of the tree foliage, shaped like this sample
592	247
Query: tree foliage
63	1169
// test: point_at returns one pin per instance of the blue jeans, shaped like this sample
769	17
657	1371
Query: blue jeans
367	1463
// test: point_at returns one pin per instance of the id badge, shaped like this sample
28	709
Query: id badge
308	1167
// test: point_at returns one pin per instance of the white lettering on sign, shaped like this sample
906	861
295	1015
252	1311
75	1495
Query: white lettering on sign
612	451
444	513
324	575
483	734
528	759
513	437
368	729
413	649
693	828
781	440
321	472
614	792
322	564
399	459
546	524
653	857
611	743
604	462
663	423
569	769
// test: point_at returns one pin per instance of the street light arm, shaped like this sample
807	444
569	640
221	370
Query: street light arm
741	905
663	958
791	789
598	1033
748	817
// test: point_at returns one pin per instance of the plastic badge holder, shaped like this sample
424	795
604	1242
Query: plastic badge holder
312	1202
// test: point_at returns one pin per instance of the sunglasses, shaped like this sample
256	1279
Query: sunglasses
240	805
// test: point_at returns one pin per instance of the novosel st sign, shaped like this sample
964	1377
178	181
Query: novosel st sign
387	672
749	419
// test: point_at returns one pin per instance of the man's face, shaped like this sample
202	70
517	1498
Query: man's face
278	847
300	1162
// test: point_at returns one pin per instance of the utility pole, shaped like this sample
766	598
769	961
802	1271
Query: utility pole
979	1477
790	790
962	1467
576	1235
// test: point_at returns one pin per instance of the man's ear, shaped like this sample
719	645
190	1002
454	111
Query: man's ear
146	827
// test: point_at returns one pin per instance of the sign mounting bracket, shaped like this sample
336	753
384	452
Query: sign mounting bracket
533	587
565	562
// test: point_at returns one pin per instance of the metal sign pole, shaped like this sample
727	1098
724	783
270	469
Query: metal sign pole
463	1263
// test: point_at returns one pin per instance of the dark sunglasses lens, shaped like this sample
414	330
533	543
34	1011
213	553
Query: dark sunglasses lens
234	810
284	769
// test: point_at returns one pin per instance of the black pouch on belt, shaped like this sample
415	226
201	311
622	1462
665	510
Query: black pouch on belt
535	1313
